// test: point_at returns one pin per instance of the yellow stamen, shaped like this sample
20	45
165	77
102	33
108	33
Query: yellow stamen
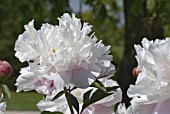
53	50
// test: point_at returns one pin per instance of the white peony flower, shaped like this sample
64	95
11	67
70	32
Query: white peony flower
103	106
65	52
153	82
2	107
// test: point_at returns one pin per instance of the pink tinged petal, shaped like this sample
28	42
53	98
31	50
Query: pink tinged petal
89	110
162	107
44	86
144	109
100	109
81	77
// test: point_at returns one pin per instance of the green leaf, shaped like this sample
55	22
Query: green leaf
86	96
99	85
74	102
97	95
46	112
58	95
5	91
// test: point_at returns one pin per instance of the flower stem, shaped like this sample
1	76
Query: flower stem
68	100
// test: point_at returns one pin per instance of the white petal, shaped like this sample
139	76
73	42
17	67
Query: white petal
80	78
162	107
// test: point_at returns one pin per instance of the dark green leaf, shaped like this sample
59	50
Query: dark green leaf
97	95
86	96
58	95
98	85
74	102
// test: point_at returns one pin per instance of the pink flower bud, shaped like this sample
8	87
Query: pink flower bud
136	72
5	70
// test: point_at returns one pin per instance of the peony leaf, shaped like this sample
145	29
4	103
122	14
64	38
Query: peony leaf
5	91
99	85
97	95
74	102
86	96
58	95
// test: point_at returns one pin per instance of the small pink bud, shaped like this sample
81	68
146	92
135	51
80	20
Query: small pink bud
5	70
136	72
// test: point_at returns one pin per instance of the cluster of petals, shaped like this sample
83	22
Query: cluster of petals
103	106
60	55
151	93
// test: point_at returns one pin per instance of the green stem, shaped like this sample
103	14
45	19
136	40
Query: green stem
68	100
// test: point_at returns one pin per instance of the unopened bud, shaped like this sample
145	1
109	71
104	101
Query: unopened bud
5	70
136	72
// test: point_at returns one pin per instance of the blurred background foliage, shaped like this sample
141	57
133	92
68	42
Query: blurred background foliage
118	23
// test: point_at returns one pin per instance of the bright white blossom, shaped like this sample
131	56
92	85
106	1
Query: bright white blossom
151	92
2	107
103	106
61	54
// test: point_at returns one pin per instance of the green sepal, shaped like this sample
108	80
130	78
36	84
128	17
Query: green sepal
5	91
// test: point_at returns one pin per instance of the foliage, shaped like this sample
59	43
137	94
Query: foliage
29	100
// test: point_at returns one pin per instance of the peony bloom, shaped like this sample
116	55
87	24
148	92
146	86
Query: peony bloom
103	106
152	88
61	54
5	70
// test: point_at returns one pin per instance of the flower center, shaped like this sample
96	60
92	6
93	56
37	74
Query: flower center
53	50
